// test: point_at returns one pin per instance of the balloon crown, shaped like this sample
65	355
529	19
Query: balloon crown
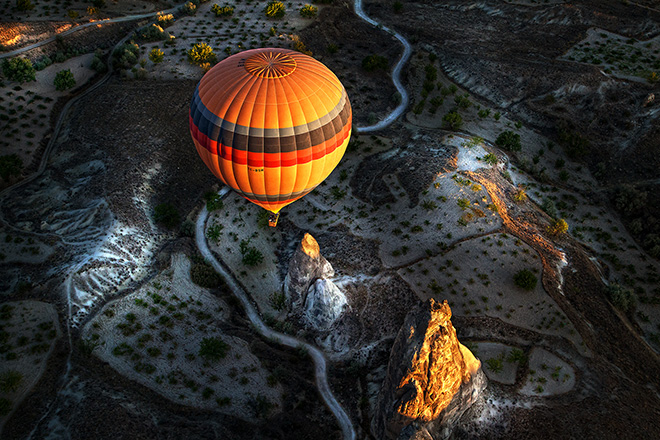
270	64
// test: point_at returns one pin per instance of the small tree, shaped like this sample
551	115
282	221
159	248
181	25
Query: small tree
308	11
525	279
558	227
251	255
213	349
189	8
275	9
152	33
10	165
19	69
508	140
156	55
201	53
167	215
622	298
10	380
64	80
165	19
222	11
374	62
452	121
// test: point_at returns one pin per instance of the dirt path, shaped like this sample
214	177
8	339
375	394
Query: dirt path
396	73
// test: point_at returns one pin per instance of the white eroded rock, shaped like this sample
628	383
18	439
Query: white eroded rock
324	305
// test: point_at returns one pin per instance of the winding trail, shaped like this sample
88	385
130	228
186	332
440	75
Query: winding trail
396	73
286	340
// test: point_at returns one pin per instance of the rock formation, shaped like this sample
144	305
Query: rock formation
431	379
324	304
307	289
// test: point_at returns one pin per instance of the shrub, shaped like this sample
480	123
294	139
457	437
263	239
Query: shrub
64	80
308	11
508	140
213	349
397	7
275	9
156	55
10	380
5	406
19	69
278	300
222	11
558	226
374	62
452	121
490	159
189	8
201	53
463	101
202	274
260	405
574	144
525	279
213	201
495	364
152	33
165	19
24	5
126	56
10	165
251	255
621	297
98	64
167	215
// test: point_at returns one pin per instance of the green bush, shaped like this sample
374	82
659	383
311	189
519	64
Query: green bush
213	201
167	215
213	349
202	274
525	279
5	406
19	69
201	53
24	5
152	33
490	159
10	380
64	80
275	9
126	56
508	140
156	55
251	255
621	297
574	144
97	62
397	6
374	62
558	226
452	121
308	11
189	8
222	11
10	165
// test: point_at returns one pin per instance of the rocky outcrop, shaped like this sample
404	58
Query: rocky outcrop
431	378
306	266
308	290
324	304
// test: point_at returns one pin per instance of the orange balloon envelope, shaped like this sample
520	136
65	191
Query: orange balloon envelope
270	123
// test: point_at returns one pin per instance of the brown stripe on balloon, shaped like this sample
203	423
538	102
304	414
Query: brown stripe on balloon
286	144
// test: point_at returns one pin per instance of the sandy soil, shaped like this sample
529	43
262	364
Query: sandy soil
29	331
548	375
163	351
487	353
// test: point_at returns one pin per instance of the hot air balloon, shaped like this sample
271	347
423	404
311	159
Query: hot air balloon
270	123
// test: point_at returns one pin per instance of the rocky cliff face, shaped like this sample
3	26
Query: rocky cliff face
431	379
307	288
